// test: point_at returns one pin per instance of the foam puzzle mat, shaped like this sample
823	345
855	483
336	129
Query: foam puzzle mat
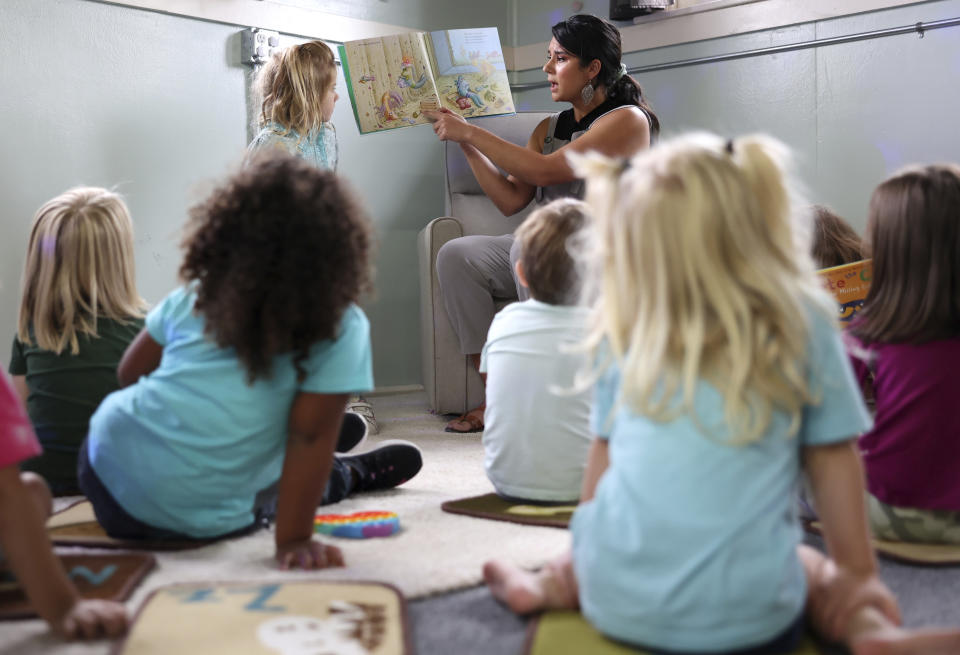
290	618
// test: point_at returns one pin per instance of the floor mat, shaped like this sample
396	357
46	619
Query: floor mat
110	576
568	633
77	525
908	553
492	506
347	618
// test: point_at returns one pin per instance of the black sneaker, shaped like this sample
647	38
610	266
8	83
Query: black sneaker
353	432
390	464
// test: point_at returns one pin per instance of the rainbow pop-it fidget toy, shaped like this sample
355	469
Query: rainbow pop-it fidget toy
359	525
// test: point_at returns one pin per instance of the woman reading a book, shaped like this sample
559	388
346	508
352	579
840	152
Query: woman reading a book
608	114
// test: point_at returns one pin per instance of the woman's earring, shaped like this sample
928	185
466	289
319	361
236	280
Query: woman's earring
586	93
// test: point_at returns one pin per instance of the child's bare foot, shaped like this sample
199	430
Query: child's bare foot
468	423
900	641
552	587
521	591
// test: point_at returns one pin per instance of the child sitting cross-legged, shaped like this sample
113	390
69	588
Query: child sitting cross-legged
537	437
720	376
906	345
236	389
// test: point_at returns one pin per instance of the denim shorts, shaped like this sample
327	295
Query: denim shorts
119	524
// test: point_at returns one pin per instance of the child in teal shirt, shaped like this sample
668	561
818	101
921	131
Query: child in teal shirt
720	377
238	384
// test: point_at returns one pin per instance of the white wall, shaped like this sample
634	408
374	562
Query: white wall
853	113
141	102
155	105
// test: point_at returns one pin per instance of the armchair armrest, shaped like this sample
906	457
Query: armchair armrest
452	384
439	348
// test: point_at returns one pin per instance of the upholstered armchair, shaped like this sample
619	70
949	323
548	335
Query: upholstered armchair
452	383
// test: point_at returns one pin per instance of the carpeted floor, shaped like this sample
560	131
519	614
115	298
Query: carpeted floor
470	622
436	561
435	552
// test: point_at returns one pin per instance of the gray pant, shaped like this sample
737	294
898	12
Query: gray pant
475	272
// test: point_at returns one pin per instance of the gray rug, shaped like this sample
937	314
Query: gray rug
471	622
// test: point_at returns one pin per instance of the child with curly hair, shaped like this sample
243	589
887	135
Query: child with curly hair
297	92
79	310
906	342
238	383
720	377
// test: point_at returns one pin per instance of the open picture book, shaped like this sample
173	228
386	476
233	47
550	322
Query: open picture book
393	79
849	284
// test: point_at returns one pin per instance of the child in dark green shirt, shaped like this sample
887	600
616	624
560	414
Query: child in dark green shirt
65	355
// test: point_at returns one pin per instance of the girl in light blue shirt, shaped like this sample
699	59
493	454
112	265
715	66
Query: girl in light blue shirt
720	377
234	393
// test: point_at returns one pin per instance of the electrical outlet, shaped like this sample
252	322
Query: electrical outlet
257	45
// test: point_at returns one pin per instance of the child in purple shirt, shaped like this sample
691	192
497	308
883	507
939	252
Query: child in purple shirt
906	344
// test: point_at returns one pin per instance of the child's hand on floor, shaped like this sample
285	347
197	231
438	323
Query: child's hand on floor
308	554
845	592
93	619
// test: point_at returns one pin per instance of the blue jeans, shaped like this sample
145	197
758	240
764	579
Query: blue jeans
119	524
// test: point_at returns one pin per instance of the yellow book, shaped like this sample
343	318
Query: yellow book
849	284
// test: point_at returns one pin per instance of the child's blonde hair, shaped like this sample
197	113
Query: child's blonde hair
79	267
547	266
699	268
292	85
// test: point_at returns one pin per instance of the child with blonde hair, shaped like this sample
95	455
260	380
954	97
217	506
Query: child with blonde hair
537	437
25	549
720	376
79	310
297	90
906	341
234	392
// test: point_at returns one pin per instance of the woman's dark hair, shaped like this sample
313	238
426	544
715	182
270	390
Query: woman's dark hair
834	242
589	37
277	254
913	235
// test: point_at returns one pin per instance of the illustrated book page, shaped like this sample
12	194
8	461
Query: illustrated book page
471	76
393	79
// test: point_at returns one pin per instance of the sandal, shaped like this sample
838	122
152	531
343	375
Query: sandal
470	418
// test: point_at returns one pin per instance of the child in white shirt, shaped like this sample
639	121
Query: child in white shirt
537	437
